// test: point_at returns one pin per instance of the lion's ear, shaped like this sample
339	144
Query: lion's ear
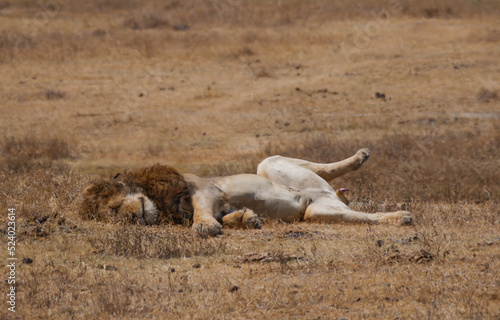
120	179
90	191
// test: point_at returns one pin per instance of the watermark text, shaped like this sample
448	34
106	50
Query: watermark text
11	260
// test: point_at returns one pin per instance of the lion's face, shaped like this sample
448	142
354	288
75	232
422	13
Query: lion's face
138	208
114	201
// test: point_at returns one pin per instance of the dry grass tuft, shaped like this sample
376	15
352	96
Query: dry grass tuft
486	95
34	147
31	152
243	52
154	243
54	94
46	199
262	73
154	150
146	21
247	164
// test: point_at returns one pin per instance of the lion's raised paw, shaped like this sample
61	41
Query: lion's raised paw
362	155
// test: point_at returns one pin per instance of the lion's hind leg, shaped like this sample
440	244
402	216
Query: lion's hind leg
243	219
287	172
329	210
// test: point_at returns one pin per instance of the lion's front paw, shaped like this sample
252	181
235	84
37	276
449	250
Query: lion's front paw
251	220
243	218
361	156
205	229
398	217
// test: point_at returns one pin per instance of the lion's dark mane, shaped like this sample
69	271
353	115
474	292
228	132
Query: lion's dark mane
164	185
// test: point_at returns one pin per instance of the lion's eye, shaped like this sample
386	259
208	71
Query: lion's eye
133	216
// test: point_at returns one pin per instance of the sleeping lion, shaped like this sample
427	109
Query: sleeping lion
284	188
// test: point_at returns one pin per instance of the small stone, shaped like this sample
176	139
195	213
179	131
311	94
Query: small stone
380	95
181	27
234	289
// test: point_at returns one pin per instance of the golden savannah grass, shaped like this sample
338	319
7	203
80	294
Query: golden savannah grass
213	87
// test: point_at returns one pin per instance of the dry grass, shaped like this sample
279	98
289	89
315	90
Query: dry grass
29	152
212	87
166	243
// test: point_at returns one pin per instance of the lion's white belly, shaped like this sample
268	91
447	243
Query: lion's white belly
262	196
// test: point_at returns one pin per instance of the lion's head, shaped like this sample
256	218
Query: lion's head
151	195
112	201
